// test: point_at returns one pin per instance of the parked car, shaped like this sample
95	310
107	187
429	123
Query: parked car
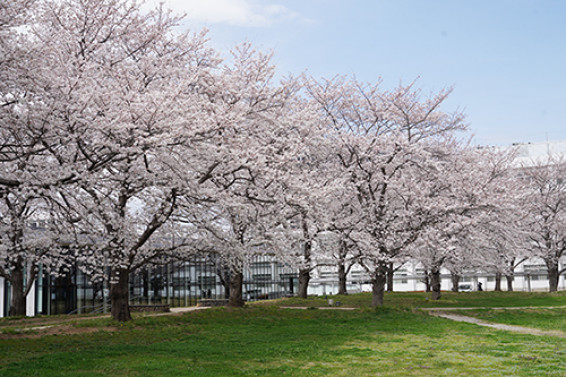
465	287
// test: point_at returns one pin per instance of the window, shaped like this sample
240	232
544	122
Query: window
534	268
328	275
259	265
261	277
206	282
402	273
288	276
539	277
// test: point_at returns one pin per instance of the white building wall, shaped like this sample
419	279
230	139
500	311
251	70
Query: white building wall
409	278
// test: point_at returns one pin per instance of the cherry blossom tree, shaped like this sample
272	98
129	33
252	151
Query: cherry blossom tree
253	165
466	198
303	219
498	240
32	236
383	139
500	243
236	233
340	209
545	212
131	96
28	171
294	240
14	49
141	118
344	254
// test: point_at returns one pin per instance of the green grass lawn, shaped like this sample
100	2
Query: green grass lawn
449	300
264	340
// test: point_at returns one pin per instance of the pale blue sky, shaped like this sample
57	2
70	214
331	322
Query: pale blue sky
506	59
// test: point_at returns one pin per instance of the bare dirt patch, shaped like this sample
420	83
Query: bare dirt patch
36	327
46	320
38	332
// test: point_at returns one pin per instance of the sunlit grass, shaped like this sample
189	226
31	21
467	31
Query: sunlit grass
422	300
267	341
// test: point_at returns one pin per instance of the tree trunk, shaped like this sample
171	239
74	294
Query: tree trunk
236	281
553	277
378	285
224	274
510	279
390	273
426	281
18	301
304	278
342	279
305	273
119	296
435	283
497	282
455	282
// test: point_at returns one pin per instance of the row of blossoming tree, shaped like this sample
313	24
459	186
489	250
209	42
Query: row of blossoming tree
132	142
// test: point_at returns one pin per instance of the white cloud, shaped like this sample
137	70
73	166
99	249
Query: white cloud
248	13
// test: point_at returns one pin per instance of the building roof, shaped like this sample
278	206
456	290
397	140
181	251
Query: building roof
533	153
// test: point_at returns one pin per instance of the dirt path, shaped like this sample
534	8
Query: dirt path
321	307
491	308
498	326
27	327
441	312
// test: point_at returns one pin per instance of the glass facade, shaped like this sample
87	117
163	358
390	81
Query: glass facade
177	284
